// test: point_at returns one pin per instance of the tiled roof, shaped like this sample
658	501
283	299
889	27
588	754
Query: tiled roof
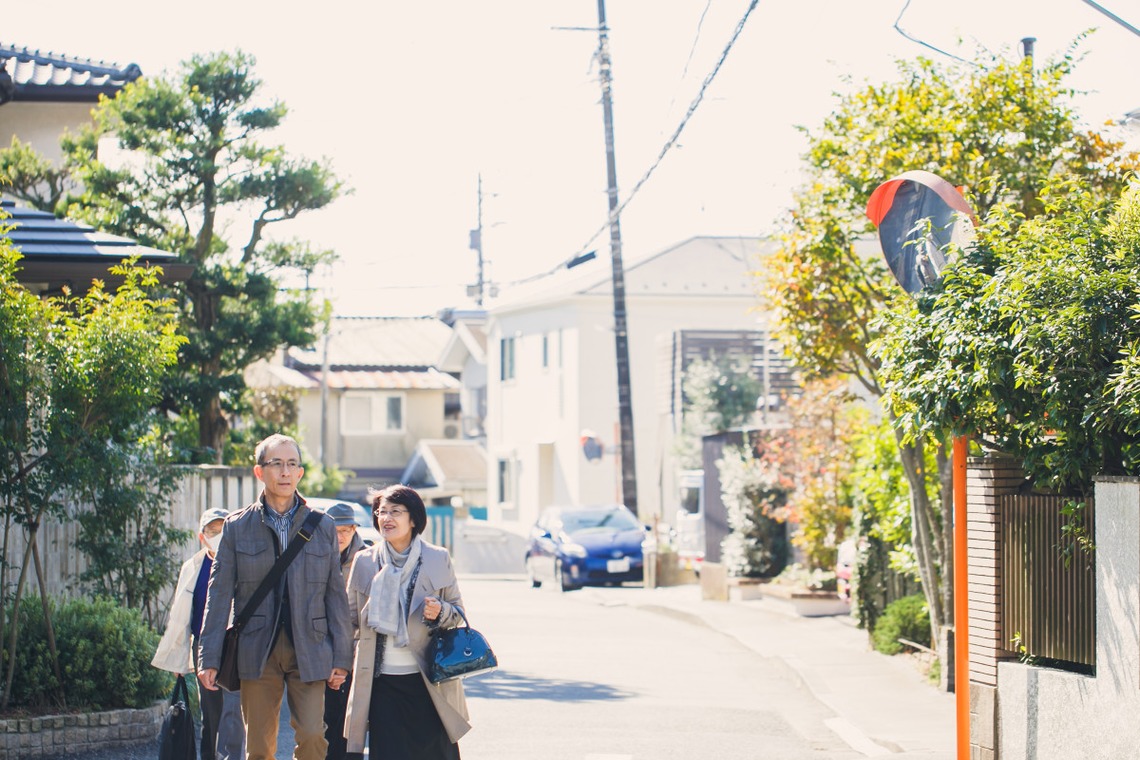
29	75
264	374
377	343
391	380
67	252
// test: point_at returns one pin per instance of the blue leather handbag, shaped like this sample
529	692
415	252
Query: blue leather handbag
460	652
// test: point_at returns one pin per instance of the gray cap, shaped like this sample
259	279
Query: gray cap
209	516
342	514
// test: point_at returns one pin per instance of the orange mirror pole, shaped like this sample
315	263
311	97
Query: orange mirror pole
961	600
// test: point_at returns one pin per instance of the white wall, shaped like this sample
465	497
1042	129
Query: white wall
423	419
42	124
1054	715
553	406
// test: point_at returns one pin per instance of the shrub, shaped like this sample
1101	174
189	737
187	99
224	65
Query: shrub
906	618
104	653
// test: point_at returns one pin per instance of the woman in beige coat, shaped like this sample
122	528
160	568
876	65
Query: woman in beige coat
398	592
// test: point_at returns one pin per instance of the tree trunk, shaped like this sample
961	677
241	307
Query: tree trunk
48	625
14	634
212	427
924	536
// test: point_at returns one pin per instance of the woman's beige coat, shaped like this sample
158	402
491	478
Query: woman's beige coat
436	578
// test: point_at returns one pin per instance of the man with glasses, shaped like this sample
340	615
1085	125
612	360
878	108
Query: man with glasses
300	638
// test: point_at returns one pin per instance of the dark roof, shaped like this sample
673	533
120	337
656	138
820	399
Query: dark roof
59	252
29	75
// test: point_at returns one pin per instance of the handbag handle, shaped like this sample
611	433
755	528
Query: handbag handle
180	684
278	569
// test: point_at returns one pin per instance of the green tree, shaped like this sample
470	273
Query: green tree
755	495
1032	341
820	457
79	376
1000	128
720	394
199	163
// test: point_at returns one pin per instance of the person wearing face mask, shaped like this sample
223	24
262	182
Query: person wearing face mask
223	734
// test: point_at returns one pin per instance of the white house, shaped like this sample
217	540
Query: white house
552	374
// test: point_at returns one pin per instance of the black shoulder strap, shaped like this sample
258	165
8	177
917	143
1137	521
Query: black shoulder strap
278	569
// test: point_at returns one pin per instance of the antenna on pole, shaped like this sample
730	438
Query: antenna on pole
476	244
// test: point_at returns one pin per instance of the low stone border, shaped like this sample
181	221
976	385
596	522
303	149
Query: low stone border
77	733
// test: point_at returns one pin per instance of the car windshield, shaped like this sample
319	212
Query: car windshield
598	519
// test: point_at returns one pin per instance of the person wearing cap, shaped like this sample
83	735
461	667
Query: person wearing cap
336	700
223	735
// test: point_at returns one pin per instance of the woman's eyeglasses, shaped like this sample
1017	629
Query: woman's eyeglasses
384	514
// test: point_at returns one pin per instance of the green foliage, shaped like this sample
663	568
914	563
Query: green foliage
1076	541
755	495
998	128
126	535
199	153
29	177
78	378
885	567
105	652
906	618
720	394
1031	340
825	419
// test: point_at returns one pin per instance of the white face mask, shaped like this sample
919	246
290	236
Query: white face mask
213	541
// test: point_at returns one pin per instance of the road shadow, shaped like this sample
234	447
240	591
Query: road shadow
506	685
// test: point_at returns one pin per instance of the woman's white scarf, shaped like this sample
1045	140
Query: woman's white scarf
388	596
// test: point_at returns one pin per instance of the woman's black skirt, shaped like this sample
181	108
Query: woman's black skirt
403	723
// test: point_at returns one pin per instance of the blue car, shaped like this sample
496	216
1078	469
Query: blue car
583	546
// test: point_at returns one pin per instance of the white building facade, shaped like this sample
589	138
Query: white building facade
552	375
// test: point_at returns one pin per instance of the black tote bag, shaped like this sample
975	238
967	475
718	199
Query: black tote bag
176	740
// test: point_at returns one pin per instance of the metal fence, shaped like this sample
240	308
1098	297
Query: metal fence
1048	602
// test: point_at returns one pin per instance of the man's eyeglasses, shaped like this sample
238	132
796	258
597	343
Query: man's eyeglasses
282	464
384	514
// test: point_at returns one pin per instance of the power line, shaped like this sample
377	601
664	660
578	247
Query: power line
925	44
1113	16
676	133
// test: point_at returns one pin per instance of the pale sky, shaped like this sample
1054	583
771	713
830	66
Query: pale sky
411	101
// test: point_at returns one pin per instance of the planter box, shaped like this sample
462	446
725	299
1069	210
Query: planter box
797	601
79	733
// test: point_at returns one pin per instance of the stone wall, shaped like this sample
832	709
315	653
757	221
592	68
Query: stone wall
68	734
1049	714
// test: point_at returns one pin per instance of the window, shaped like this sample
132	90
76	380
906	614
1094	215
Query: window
395	413
506	485
372	413
507	359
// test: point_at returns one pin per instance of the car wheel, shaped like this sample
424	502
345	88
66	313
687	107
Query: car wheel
563	582
534	581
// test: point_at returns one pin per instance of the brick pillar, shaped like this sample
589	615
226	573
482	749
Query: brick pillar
987	479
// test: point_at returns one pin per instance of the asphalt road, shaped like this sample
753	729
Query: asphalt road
586	675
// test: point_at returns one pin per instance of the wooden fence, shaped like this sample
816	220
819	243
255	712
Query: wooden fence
203	487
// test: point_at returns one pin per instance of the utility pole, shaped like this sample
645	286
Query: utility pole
621	331
476	245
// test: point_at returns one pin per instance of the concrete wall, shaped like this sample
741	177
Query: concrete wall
1046	714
